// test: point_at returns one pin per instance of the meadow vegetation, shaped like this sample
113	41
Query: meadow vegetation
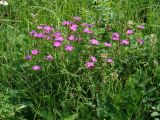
80	60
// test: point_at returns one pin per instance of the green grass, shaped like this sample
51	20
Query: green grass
65	89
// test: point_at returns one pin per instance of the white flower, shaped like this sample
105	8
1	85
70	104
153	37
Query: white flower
2	2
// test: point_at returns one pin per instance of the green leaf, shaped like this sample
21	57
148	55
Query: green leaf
156	119
158	107
71	117
155	114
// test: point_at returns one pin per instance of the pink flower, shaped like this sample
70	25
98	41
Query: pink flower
86	25
141	27
109	60
59	38
93	59
77	18
66	23
125	42
57	44
47	29
140	41
57	34
94	42
71	38
36	68
32	32
130	32
69	48
73	27
49	57
35	52
89	65
115	36
39	35
108	44
87	30
28	57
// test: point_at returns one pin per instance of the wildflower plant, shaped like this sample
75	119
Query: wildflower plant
76	59
79	39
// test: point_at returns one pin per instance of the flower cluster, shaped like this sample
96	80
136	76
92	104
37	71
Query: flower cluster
74	36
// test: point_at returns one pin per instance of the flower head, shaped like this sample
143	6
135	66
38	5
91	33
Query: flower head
87	30
35	52
86	25
69	48
109	60
66	23
125	42
47	29
141	27
94	42
73	27
71	38
140	41
57	34
49	57
93	59
36	68
77	18
89	65
39	35
115	36
130	32
108	44
32	32
57	44
28	57
59	38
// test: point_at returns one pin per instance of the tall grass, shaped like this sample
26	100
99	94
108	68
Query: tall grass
65	89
